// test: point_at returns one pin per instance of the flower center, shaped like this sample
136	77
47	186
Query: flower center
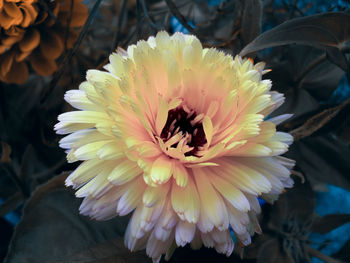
184	131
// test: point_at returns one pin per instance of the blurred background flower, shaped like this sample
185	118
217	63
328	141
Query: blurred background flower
36	33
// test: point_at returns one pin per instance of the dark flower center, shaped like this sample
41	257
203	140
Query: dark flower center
189	123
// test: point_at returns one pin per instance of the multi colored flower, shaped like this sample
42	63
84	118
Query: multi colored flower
29	33
177	135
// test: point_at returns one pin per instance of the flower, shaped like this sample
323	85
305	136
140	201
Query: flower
29	33
176	133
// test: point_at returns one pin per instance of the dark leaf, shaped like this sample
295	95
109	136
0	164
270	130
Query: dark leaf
298	103
317	30
27	165
18	103
7	185
298	203
251	20
343	130
313	71
51	228
338	58
320	31
322	80
270	252
306	68
328	223
107	252
6	230
344	253
11	203
251	251
317	122
204	255
323	159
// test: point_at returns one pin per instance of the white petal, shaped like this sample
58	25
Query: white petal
184	233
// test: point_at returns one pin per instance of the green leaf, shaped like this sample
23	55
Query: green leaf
328	223
52	230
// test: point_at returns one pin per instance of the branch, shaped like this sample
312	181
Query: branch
175	12
119	25
67	58
315	253
317	121
150	21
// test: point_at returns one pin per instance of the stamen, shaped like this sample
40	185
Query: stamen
197	119
177	130
187	149
172	125
189	138
186	109
183	131
190	114
173	140
181	144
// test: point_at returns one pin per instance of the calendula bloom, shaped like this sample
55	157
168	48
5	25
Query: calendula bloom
29	34
177	134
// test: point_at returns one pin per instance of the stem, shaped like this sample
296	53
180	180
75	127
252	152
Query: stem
179	16
67	58
119	25
315	253
68	24
150	21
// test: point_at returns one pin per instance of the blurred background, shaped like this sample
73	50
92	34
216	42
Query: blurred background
46	48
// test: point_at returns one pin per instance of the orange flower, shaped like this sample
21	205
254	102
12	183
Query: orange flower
28	33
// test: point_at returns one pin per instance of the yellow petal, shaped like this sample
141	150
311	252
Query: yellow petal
230	192
89	151
111	151
180	173
124	172
162	116
208	129
132	197
153	194
212	204
85	171
185	201
161	170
